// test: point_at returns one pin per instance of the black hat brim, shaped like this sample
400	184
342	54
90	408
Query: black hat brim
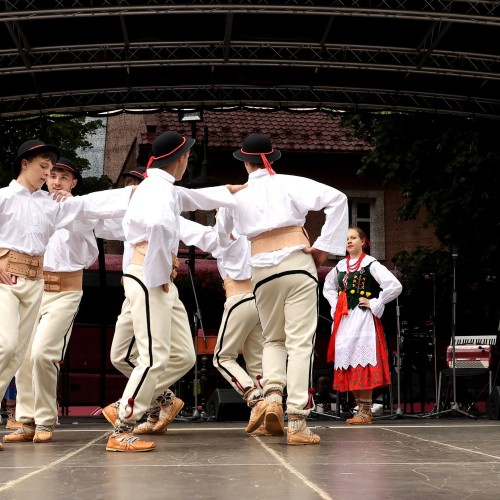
255	158
32	152
76	174
167	160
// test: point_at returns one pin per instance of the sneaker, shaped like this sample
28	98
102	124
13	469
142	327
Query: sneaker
168	412
123	440
111	412
257	416
274	419
43	433
24	433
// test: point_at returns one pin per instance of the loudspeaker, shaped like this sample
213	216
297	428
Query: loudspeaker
493	404
227	404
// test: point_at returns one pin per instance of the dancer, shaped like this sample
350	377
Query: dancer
271	213
67	254
28	218
358	289
151	227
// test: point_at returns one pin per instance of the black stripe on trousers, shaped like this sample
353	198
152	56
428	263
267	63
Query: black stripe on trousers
306	273
224	331
57	364
148	323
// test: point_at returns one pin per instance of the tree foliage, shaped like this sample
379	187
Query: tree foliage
69	134
451	167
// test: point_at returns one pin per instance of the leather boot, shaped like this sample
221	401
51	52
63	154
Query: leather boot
275	420
23	434
158	422
299	433
43	433
123	440
255	401
12	423
364	414
111	412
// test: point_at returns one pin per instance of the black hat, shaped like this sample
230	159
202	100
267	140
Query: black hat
167	148
136	173
66	164
32	148
255	146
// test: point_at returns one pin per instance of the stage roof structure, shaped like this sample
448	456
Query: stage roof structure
96	57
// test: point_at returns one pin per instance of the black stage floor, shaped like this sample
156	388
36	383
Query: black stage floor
449	457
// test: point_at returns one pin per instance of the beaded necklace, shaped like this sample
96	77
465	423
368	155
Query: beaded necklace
352	268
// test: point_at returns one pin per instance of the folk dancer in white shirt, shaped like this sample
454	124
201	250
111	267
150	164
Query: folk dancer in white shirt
28	218
124	352
67	254
271	212
151	227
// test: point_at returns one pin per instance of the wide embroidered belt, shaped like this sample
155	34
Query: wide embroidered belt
237	287
281	237
63	282
20	264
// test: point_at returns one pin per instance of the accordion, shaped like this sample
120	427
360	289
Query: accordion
472	351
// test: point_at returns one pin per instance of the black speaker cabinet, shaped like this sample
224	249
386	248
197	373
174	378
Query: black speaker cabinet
227	404
493	404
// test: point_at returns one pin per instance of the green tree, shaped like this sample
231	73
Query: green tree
70	134
451	167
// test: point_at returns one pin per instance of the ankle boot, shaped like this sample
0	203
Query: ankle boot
299	433
255	401
364	415
274	419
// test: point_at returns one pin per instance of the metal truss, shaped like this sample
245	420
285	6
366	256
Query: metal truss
429	76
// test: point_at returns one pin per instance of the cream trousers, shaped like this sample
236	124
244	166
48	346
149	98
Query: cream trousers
287	300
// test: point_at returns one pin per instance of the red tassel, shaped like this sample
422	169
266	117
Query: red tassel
131	406
259	378
237	384
267	165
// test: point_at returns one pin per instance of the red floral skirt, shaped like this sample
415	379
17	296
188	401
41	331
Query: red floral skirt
359	378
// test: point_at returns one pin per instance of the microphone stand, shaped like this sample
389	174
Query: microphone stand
399	413
198	413
454	409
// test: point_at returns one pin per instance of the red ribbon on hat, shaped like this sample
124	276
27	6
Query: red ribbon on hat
153	158
264	159
65	166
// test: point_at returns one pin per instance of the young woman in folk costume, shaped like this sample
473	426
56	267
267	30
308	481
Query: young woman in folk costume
358	289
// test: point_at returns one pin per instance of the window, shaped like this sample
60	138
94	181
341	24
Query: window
366	210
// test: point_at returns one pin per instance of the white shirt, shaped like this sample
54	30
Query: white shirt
28	220
153	216
76	249
274	201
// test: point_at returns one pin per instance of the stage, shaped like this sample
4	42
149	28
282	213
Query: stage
448	457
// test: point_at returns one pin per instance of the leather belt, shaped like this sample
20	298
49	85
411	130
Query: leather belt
63	282
237	287
140	254
21	264
281	237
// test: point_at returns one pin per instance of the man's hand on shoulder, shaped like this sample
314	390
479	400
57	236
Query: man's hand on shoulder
60	195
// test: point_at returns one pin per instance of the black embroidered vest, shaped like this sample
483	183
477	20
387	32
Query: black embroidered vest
359	284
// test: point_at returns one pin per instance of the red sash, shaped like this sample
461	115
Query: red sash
340	310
